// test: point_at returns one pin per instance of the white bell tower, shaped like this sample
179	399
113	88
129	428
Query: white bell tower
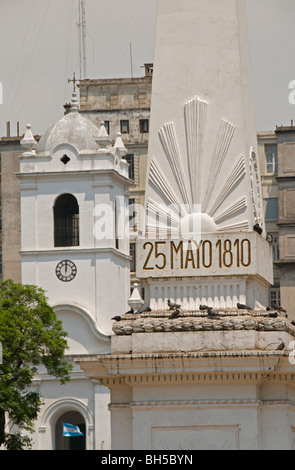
74	218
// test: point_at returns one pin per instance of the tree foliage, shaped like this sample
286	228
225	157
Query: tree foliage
31	335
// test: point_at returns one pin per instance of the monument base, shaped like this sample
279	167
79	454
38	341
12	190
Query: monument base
215	292
200	383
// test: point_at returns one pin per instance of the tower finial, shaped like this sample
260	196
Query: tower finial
28	142
74	103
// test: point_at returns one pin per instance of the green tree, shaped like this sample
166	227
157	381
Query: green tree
31	335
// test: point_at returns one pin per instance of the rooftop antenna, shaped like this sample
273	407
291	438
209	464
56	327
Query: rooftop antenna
131	61
82	39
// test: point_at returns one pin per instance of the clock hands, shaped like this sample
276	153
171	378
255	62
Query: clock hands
66	270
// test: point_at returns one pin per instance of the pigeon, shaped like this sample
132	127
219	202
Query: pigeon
279	308
143	310
205	307
258	229
173	305
293	323
130	311
243	307
281	346
117	318
269	238
175	314
273	315
213	315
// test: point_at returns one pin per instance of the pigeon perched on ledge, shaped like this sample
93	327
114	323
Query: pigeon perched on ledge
143	310
213	315
175	314
205	307
281	346
258	229
243	307
130	312
173	305
276	307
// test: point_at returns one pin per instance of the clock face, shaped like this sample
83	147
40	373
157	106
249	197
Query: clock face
66	270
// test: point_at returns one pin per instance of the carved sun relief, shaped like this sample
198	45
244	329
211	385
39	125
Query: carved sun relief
200	191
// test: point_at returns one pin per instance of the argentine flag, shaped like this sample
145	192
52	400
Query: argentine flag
71	431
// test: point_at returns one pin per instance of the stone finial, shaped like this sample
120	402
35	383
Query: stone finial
103	140
74	106
135	302
28	142
119	145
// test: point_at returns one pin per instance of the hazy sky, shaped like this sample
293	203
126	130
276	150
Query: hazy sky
39	51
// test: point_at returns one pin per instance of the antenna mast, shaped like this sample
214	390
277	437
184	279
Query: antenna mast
82	38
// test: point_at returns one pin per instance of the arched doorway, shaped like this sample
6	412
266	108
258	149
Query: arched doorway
70	443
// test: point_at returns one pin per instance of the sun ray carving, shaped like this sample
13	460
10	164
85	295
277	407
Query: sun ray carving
223	141
205	177
235	177
195	113
169	142
159	180
234	209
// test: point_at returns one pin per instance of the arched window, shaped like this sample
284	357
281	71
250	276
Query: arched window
66	221
70	443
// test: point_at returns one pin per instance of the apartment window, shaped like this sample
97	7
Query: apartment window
107	126
130	159
275	248
66	221
272	209
132	213
275	295
124	127
133	256
144	126
271	156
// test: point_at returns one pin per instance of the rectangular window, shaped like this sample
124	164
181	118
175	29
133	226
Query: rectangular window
275	295
275	248
132	212
271	156
107	126
272	209
124	124
144	126
133	256
130	159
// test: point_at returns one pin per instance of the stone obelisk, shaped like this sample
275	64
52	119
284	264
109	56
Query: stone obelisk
203	185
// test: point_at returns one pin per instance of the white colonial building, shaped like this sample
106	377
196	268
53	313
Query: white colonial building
74	199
